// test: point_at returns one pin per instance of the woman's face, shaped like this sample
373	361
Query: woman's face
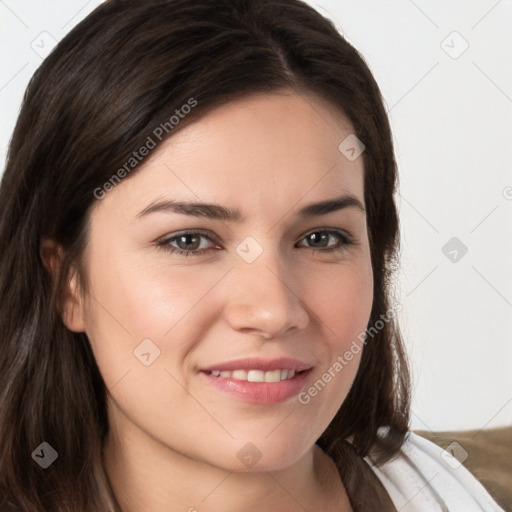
255	283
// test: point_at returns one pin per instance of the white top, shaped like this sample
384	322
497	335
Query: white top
420	462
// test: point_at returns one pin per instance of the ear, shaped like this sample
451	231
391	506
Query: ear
71	306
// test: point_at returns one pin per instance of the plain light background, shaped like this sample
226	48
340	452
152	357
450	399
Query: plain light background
444	68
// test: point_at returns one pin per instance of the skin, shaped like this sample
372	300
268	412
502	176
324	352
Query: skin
174	437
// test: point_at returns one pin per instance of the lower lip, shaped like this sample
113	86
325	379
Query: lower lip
260	392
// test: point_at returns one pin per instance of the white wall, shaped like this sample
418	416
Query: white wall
452	121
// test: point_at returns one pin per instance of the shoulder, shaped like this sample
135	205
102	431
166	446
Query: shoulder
423	477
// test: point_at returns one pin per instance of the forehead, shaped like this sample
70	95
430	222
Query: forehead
260	149
270	124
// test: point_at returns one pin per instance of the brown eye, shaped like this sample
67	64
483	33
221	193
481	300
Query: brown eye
323	239
189	242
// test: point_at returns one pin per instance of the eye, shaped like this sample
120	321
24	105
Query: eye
197	243
322	238
188	242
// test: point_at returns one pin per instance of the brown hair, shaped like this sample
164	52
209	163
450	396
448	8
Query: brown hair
116	76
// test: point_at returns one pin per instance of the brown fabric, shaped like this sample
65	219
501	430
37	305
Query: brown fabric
364	489
489	458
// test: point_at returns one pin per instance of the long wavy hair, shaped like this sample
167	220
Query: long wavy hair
94	100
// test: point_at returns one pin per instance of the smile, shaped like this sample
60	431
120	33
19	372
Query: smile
255	375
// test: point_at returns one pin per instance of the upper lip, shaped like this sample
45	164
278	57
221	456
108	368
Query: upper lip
255	363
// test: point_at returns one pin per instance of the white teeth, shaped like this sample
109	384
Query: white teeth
274	376
239	375
256	375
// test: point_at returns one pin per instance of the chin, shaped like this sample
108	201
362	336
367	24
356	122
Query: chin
263	455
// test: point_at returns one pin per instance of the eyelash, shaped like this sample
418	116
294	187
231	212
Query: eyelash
345	239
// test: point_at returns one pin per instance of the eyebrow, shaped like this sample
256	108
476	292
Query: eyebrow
218	212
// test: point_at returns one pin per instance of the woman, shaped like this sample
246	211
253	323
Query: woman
197	238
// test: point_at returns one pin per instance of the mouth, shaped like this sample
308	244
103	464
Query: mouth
256	375
257	380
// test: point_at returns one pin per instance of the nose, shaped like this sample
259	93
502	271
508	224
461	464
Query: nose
263	299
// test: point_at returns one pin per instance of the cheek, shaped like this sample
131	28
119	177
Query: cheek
133	303
342	299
